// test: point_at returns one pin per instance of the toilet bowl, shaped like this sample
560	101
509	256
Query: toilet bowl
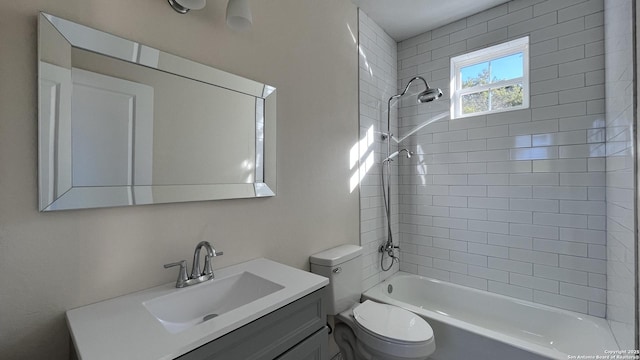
382	331
370	330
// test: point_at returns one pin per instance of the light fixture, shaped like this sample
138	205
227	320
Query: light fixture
239	15
183	6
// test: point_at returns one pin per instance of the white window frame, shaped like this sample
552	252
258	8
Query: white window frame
484	55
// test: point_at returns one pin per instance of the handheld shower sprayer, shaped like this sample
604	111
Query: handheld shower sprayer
395	154
409	153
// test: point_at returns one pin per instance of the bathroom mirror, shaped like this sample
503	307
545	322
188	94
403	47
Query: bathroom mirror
121	123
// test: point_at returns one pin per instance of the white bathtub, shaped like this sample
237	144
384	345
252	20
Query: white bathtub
475	324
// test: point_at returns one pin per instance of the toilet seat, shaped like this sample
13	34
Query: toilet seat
393	330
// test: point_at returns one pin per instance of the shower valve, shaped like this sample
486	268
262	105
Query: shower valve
388	248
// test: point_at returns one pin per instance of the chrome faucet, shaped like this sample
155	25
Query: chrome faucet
196	276
195	265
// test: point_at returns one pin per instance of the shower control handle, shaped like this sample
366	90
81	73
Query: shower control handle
388	248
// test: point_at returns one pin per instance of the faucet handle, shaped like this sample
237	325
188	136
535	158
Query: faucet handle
207	263
182	274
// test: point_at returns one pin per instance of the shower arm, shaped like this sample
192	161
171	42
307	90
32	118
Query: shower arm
397	96
409	84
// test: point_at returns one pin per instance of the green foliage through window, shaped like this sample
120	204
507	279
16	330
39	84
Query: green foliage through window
493	99
491	79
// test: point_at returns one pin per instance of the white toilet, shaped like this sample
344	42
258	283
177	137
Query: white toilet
370	330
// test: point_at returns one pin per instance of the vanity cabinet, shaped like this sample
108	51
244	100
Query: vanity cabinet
296	331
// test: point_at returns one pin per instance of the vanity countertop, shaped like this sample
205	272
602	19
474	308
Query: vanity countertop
123	328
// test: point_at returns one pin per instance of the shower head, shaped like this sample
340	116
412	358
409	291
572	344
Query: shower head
429	95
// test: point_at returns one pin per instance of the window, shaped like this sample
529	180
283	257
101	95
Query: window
491	80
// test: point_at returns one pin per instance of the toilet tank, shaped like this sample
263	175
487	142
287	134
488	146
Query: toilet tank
343	266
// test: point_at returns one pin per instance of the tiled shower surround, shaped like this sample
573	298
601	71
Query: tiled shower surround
378	78
513	202
620	169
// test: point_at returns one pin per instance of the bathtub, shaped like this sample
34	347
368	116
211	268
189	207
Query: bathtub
475	324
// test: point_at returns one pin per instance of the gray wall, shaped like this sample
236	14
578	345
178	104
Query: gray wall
621	214
51	262
512	203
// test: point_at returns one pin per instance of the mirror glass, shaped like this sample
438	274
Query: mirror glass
121	123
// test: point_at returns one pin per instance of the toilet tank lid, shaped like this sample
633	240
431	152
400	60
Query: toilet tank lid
336	255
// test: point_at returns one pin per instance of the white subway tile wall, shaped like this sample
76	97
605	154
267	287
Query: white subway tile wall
378	82
514	202
620	214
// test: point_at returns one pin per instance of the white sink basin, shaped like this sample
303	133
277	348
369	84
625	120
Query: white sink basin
204	302
163	323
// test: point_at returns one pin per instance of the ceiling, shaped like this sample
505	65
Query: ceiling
402	19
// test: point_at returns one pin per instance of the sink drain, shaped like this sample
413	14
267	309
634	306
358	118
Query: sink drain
209	317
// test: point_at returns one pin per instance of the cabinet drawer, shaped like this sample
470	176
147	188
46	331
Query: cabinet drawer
269	336
315	347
